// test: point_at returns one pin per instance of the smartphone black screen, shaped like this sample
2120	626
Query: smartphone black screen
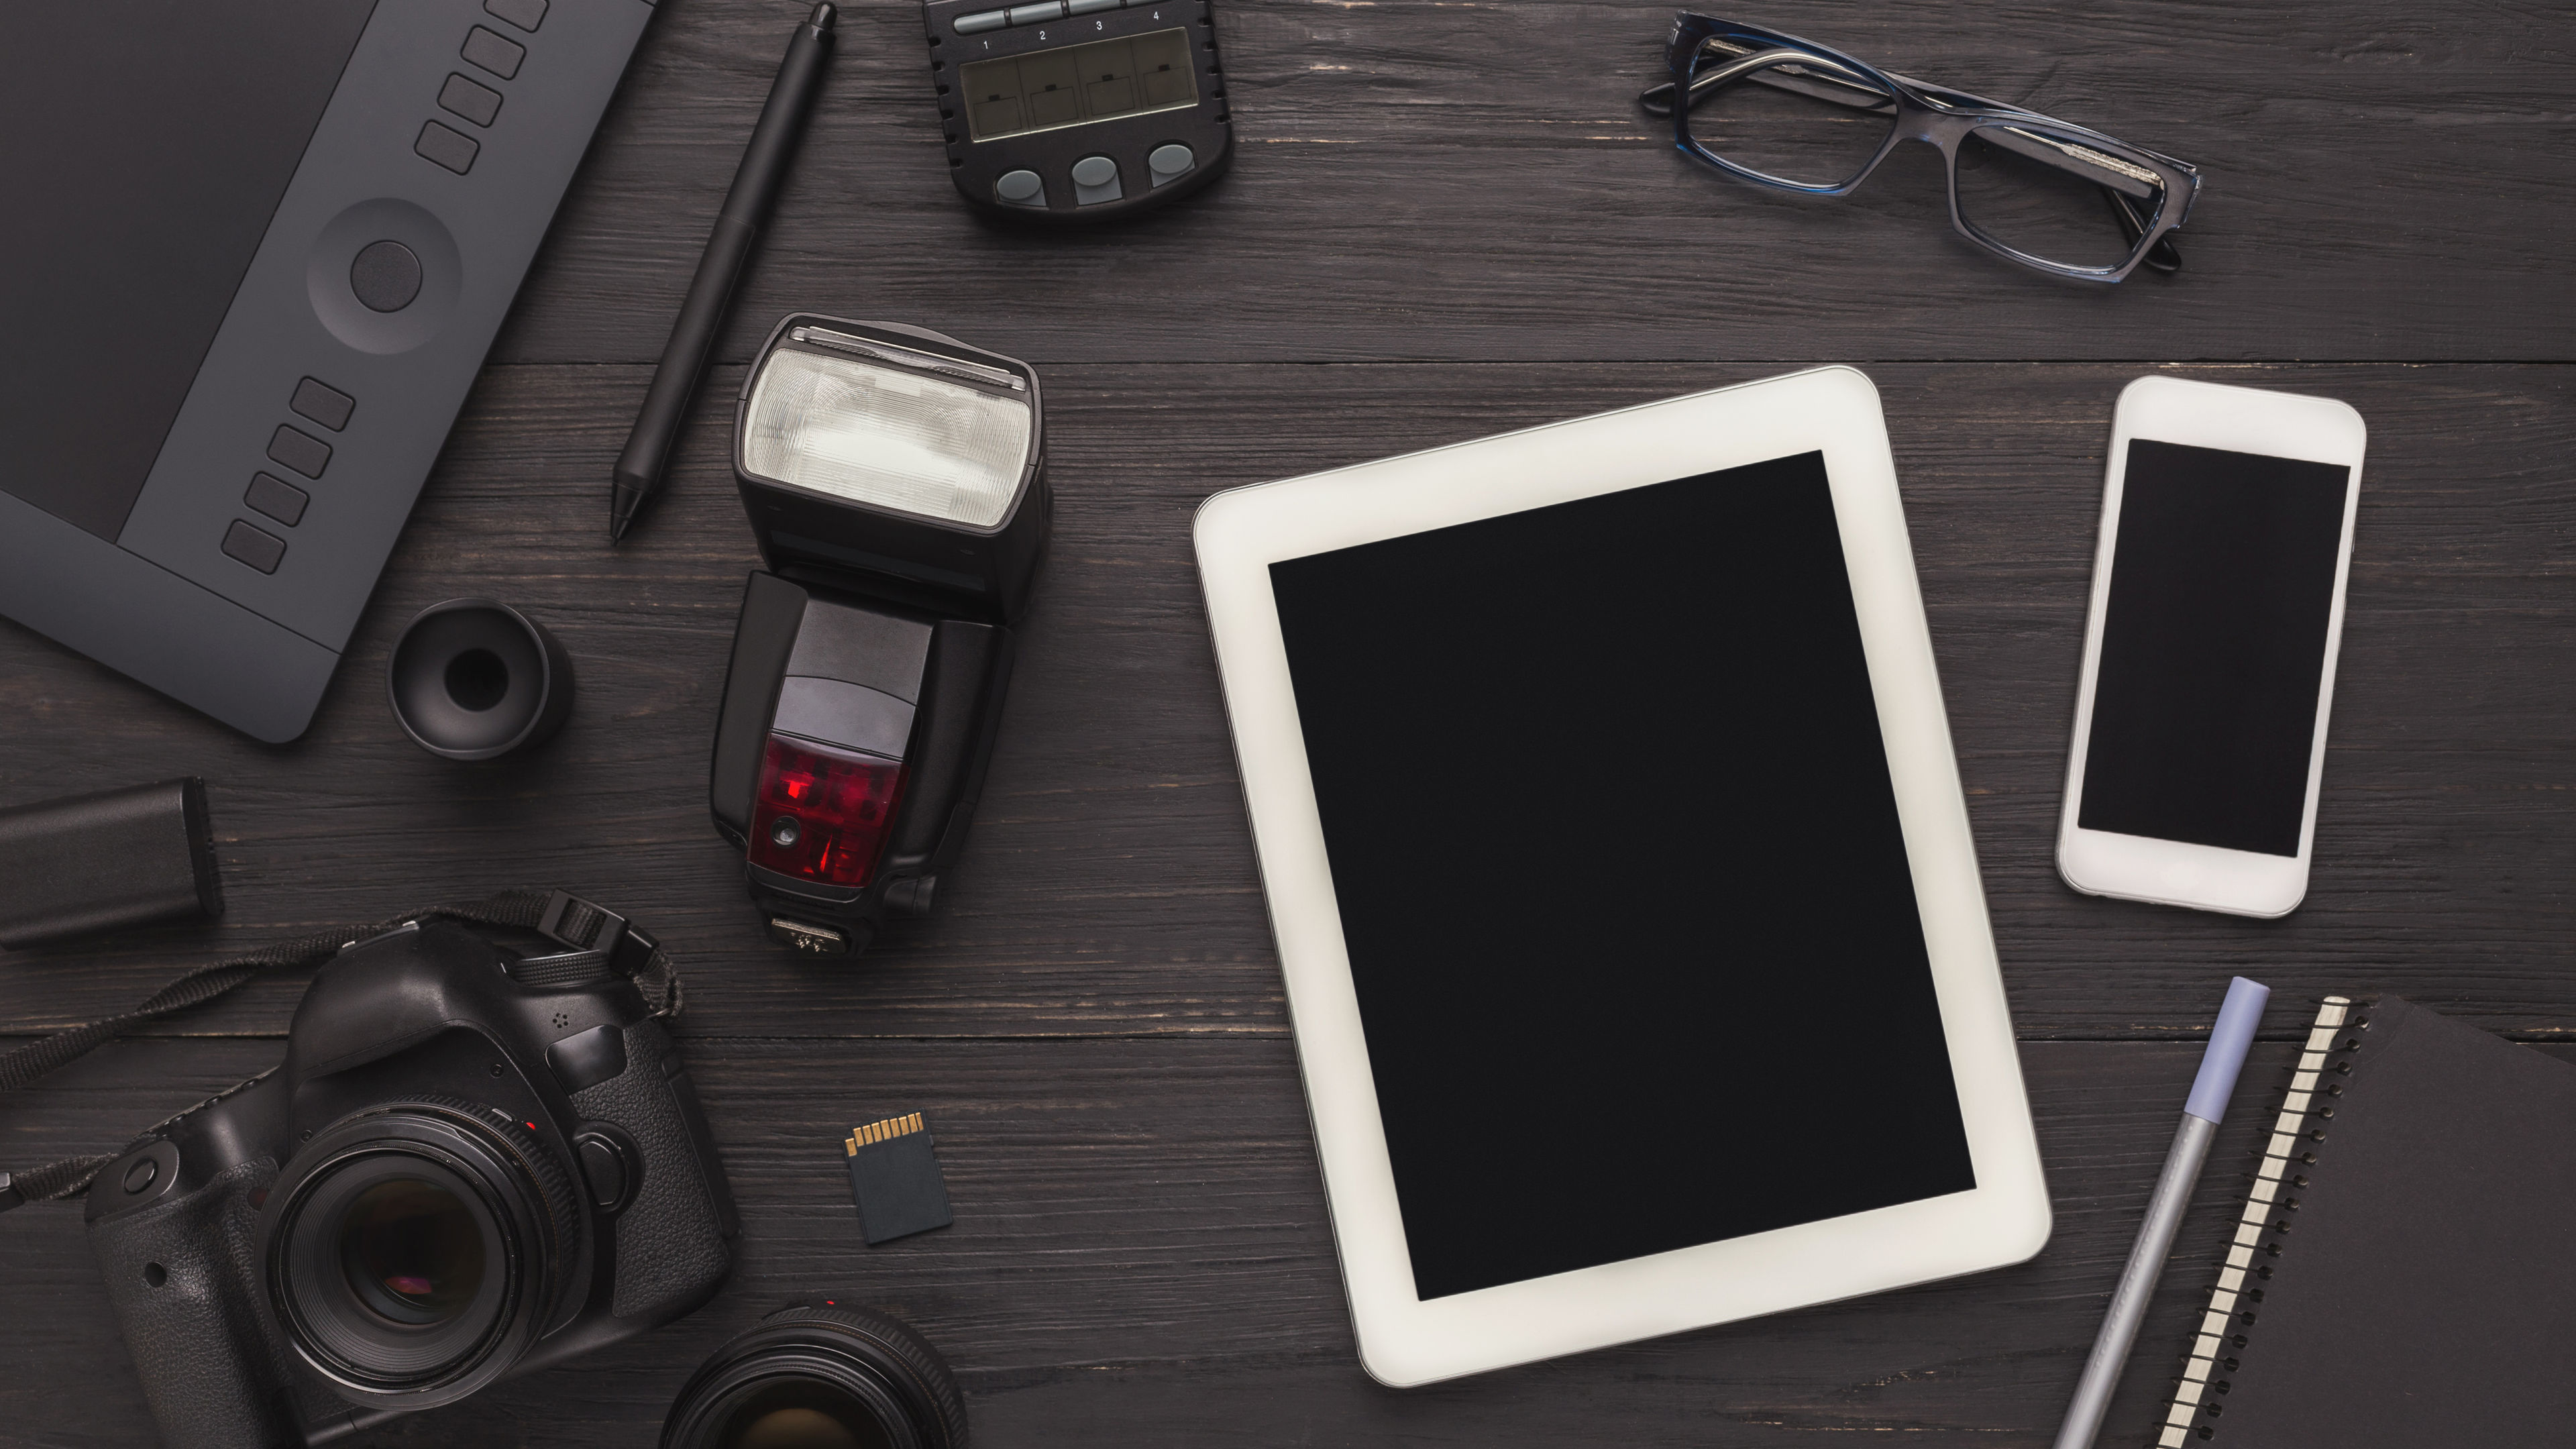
2213	647
1620	872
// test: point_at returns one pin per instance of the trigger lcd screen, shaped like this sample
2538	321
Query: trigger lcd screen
1621	876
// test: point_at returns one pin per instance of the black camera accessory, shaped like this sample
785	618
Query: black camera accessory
474	680
818	1373
481	1155
895	480
894	1177
1078	110
86	863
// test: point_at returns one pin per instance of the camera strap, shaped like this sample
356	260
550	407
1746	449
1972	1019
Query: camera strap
593	937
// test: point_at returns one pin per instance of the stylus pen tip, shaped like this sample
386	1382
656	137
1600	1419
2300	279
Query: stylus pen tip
824	14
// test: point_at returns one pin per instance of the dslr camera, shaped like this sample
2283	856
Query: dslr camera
480	1156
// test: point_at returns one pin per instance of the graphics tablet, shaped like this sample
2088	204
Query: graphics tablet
1623	888
262	248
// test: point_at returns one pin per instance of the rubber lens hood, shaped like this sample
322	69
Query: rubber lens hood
471	679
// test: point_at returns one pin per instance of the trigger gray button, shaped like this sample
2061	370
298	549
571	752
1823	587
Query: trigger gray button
1021	188
1171	163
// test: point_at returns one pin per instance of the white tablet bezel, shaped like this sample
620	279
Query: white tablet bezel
1403	1340
2239	420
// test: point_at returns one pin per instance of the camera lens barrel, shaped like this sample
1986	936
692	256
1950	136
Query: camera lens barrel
817	1375
415	1251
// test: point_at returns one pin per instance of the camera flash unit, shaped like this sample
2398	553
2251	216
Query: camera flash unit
894	478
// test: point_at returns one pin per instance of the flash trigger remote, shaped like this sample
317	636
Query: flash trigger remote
1078	110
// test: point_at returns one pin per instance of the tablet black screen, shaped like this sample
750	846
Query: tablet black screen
1619	867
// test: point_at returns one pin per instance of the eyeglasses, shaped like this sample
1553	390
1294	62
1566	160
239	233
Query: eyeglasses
1779	111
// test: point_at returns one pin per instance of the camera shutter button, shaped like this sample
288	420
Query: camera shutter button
141	1175
587	1058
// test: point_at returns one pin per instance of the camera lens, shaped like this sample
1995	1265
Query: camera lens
820	1376
412	1250
802	1414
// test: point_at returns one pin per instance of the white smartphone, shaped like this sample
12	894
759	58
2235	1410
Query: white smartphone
2209	653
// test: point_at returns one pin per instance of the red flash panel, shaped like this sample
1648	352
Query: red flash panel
823	814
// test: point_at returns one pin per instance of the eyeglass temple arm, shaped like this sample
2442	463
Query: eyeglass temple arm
2165	256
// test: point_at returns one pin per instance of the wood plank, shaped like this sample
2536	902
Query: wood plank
1140	1256
1109	888
2383	179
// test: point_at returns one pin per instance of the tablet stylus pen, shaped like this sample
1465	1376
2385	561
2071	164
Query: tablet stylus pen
2228	1042
702	312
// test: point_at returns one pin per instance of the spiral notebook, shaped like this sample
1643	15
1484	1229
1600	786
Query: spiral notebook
2404	1271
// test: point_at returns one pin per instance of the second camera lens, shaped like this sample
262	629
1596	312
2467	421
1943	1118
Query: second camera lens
820	1375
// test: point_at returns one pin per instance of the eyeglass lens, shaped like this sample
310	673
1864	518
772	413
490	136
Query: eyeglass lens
2050	197
1799	123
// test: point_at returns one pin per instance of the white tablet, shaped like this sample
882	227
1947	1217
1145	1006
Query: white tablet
1604	800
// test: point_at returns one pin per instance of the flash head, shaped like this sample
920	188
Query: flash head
894	461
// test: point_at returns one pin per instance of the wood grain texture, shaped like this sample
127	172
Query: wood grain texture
1446	220
2383	179
1109	886
1140	1257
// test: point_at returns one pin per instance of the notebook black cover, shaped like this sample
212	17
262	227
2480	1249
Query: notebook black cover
2421	1285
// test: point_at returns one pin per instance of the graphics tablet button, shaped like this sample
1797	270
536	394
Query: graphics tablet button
261	551
450	148
325	405
982	21
385	275
525	14
471	99
277	498
494	52
302	452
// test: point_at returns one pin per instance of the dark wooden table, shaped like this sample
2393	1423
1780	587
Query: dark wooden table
1445	220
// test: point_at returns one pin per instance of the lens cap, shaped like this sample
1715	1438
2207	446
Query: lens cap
474	680
816	1375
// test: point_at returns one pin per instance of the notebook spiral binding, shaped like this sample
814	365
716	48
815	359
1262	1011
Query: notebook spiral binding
2261	1232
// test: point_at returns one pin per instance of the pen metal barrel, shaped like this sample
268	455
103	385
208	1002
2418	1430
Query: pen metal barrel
2229	1040
2137	1283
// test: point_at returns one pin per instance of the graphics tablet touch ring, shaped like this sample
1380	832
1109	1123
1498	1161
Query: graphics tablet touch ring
383	276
